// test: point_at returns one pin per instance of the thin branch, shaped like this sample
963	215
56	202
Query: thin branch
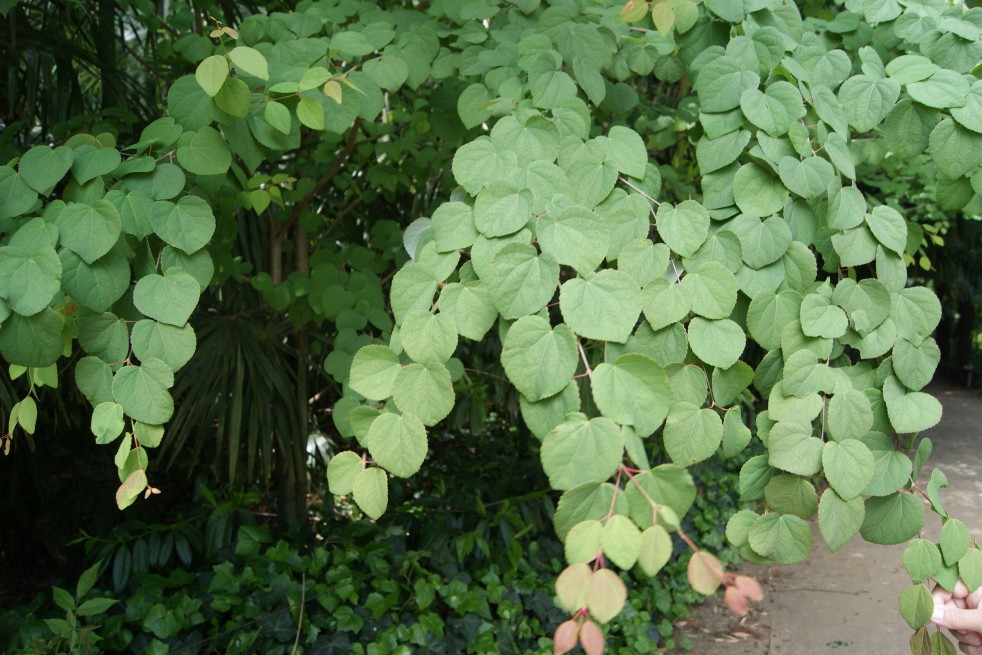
589	371
636	188
349	147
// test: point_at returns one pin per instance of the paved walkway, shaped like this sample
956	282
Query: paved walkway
845	603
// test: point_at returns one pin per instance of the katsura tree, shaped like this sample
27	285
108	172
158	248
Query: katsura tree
660	214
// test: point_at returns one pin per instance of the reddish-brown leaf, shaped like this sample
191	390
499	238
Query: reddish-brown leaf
565	638
591	638
750	587
735	600
920	642
705	572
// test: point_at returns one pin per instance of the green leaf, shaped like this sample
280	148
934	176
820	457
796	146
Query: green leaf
692	434
664	303
907	128
849	467
791	494
132	487
94	606
634	390
522	281
914	365
34	341
539	359
425	336
754	476
582	543
718	343
721	83
604	307
758	193
205	153
278	116
199	265
29	278
187	225
867	101
250	61
373	372
684	227
656	549
785	538
922	559
89	230
793	449
575	237
715	154
211	74
910	68
172	345
371	491
736	434
892	519
849	416
588	501
93	377
471	306
98	285
955	150
808	178
955	541
311	113
912	411
628	152
769	313
762	242
91	162
580	451
773	110
839	520
16	197
889	228
942	90
970	568
142	391
542	416
916	605
917	312
453	226
820	318
712	290
107	422
397	443
169	298
969	116
413	288
106	336
424	390
621	541
42	167
643	260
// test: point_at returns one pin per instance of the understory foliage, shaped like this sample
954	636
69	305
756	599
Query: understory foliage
656	218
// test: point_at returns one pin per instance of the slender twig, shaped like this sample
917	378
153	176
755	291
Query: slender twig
303	599
349	147
589	371
636	188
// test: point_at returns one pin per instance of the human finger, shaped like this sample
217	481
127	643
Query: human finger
969	649
968	637
948	616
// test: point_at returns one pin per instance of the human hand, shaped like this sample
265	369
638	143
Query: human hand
959	611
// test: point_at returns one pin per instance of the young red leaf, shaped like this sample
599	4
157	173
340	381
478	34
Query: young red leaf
591	638
565	638
750	587
735	600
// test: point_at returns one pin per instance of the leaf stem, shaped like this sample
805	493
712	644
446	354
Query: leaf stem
589	371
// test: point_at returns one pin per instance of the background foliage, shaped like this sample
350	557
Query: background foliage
260	240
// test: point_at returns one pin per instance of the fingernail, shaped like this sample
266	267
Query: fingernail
938	614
